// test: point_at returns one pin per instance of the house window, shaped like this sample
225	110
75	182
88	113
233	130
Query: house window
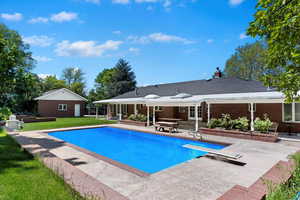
192	112
62	107
158	108
254	107
291	112
181	109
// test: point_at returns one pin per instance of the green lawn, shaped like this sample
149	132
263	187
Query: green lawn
23	177
65	122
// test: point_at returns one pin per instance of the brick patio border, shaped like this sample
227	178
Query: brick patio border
83	183
279	173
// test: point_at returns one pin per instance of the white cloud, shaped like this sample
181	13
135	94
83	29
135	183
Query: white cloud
134	50
235	2
64	16
167	3
85	48
38	40
12	17
42	58
146	1
121	1
210	41
159	37
243	36
43	76
93	1
38	20
117	32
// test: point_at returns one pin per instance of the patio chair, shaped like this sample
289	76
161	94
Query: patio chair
195	134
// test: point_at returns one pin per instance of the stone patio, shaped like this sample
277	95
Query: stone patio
198	179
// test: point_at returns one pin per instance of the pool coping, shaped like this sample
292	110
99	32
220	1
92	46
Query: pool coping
114	162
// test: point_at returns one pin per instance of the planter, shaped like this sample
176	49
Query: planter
2	123
131	122
30	119
241	134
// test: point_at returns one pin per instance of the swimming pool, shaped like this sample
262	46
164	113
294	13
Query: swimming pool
146	152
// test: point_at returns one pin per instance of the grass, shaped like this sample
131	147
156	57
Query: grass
291	188
65	122
23	177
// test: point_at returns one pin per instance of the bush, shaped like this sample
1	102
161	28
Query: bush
226	121
138	117
4	113
242	123
214	123
262	125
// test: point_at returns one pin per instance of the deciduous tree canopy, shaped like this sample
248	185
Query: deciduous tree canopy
248	62
278	23
115	81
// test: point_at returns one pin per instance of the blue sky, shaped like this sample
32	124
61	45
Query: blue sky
164	40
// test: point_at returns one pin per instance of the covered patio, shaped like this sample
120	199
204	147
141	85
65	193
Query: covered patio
206	103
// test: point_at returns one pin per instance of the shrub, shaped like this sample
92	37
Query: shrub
4	113
138	117
214	123
226	121
242	123
262	125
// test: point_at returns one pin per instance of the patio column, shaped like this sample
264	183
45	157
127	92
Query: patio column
135	109
96	111
252	117
197	121
108	111
153	115
148	115
120	111
208	112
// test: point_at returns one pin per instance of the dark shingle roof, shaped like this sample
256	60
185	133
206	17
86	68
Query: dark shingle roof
199	87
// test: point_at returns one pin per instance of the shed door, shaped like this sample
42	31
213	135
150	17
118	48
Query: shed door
77	110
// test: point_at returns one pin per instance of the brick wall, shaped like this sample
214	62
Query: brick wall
49	108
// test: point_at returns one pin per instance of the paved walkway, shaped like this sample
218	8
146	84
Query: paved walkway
198	179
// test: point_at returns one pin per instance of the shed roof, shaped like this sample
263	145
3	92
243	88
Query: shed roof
61	94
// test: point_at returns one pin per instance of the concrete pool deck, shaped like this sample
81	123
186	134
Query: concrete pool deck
198	179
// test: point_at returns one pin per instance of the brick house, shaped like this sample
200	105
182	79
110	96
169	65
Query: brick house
196	102
61	103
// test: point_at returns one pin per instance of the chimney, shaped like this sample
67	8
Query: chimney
218	73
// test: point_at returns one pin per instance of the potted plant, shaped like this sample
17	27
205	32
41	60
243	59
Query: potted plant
4	115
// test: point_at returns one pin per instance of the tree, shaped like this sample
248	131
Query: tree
15	60
72	75
115	81
74	78
248	62
103	83
123	78
51	83
278	23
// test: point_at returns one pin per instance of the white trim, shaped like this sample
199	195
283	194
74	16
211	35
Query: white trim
44	97
293	113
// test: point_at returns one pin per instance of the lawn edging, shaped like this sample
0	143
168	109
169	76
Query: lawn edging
281	172
81	182
240	134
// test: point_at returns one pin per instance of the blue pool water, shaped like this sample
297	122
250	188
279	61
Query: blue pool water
147	152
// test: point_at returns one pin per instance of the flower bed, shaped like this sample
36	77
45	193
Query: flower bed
270	137
30	119
131	122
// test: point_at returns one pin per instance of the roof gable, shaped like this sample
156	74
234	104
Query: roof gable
61	94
